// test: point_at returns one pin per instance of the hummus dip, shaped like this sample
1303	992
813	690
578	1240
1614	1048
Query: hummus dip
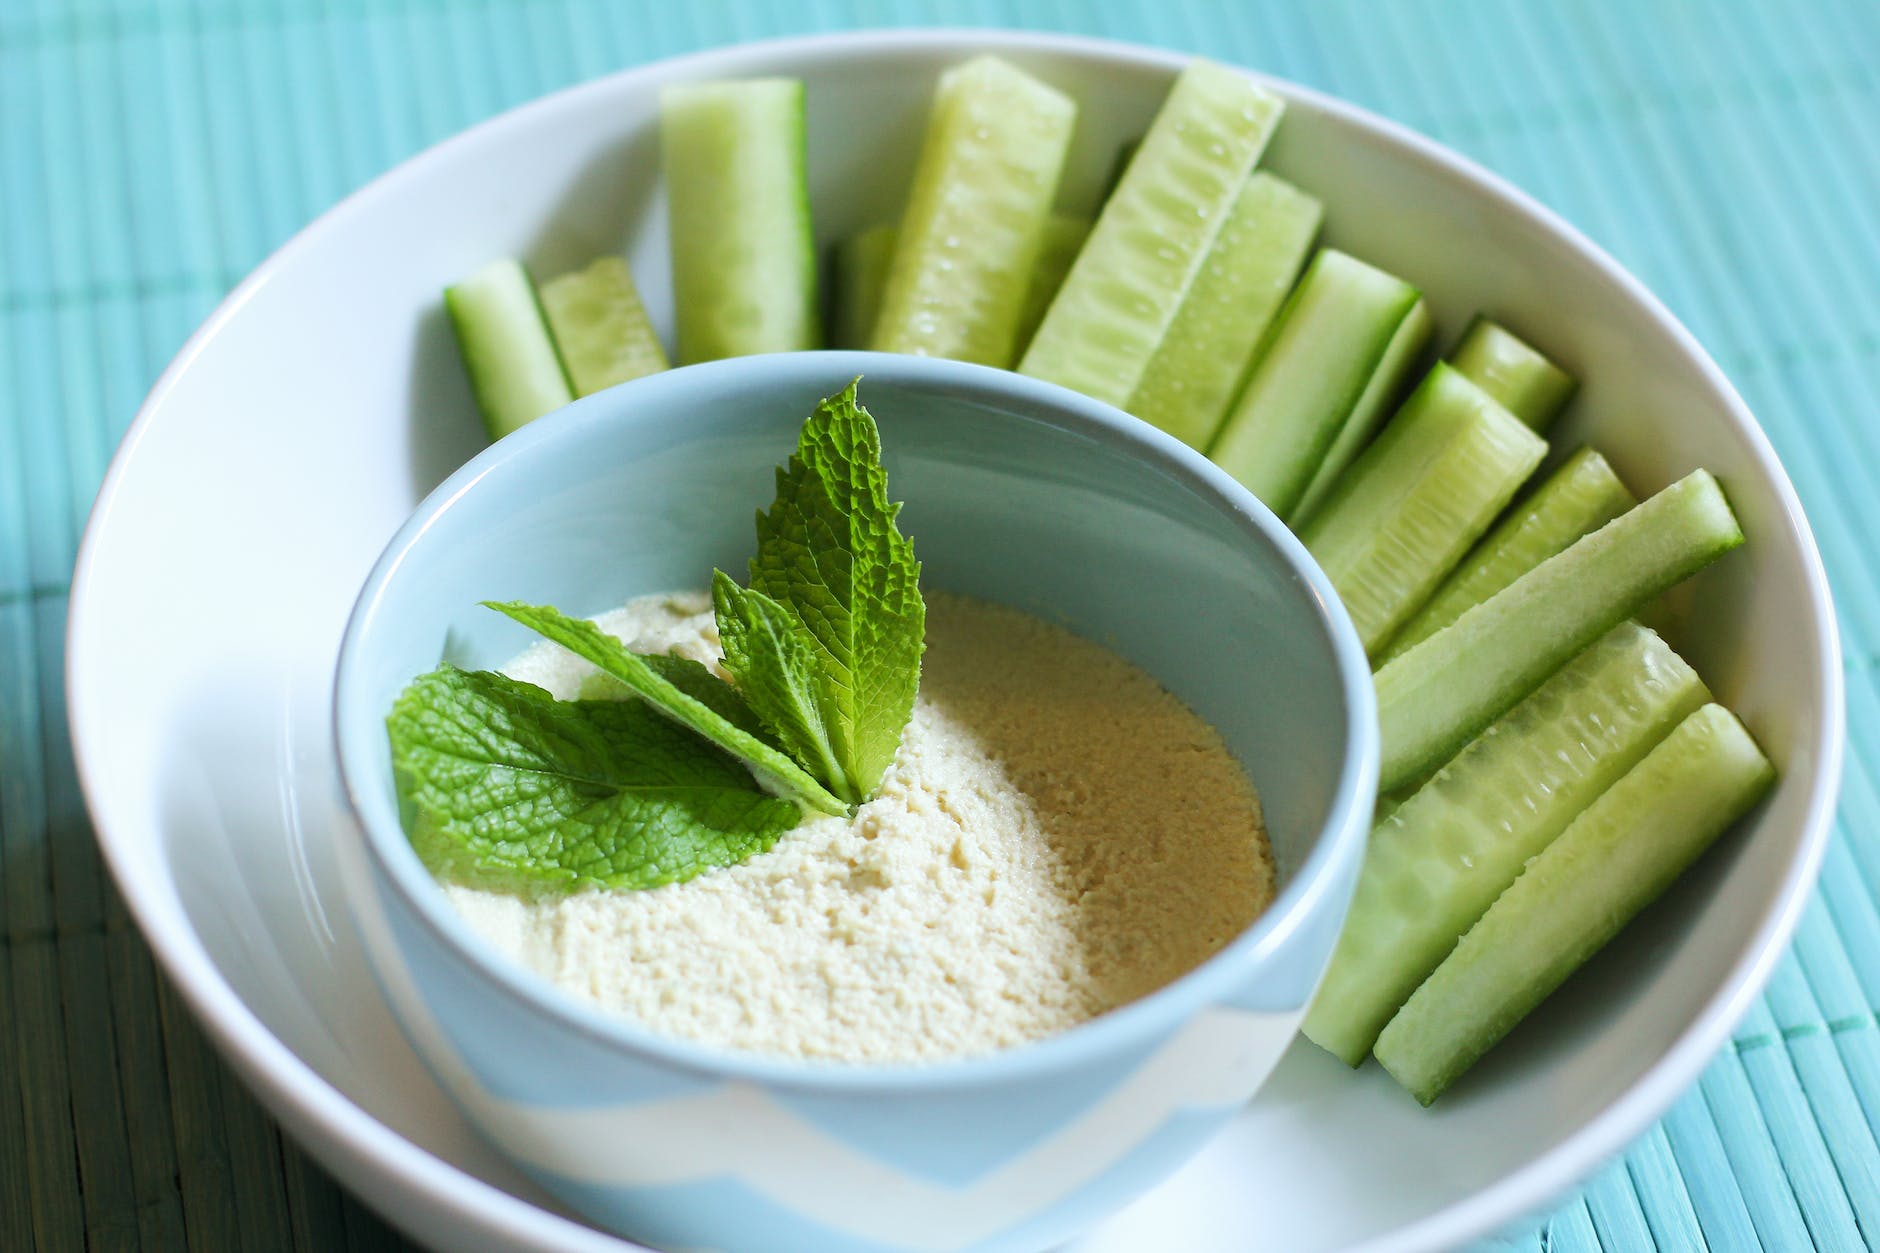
1057	836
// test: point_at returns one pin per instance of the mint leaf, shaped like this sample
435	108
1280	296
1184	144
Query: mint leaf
776	771
828	554
776	660
512	786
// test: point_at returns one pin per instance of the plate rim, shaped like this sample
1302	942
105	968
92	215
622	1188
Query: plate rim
350	1141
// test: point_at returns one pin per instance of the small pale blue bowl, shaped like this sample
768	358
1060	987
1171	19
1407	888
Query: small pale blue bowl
1017	491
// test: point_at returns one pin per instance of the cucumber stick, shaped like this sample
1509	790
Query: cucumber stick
1317	364
963	257
1411	506
600	327
1583	495
1439	695
861	272
1439	860
1387	383
1615	859
1192	377
1153	234
514	370
1064	238
1524	382
743	260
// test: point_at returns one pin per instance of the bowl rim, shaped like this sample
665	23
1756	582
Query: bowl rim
369	1153
650	402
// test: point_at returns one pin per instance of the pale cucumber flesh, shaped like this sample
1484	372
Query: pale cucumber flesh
1315	366
1439	695
1613	860
600	327
1373	406
1209	347
1064	238
1577	499
967	244
1153	234
1437	861
1411	506
514	371
1524	382
861	272
743	259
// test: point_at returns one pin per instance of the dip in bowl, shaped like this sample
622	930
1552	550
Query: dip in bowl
1019	493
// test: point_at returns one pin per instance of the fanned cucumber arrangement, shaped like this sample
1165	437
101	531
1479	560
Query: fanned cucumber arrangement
1549	765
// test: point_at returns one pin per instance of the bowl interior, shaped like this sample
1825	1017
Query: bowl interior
204	737
1016	492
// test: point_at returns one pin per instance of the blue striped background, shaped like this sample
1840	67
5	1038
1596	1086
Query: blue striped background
152	151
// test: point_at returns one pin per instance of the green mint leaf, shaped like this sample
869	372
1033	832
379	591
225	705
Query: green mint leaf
776	662
774	769
828	552
696	681
511	786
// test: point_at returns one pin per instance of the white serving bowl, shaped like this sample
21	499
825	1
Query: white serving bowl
299	427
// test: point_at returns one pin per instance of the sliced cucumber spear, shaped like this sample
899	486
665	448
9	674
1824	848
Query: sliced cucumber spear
1317	374
1439	695
1577	499
600	326
1439	860
1153	234
1615	859
1525	383
1064	238
1413	503
963	257
1205	355
507	350
743	260
861	272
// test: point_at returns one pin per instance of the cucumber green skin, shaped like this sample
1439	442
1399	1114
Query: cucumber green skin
1524	382
1318	360
1153	234
1209	347
988	172
600	327
1439	695
514	371
1064	238
1583	495
1374	404
1438	860
1615	859
861	271
1411	506
743	258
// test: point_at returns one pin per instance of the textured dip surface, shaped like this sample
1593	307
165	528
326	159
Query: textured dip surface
1058	836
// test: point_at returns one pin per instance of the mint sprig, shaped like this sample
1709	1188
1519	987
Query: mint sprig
512	786
507	784
830	557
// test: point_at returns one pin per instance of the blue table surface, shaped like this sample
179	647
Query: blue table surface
152	151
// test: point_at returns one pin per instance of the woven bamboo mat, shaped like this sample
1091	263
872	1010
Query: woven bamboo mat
151	152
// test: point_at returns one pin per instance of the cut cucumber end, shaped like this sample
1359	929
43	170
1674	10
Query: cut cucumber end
600	328
1320	357
743	258
1520	379
514	370
1613	860
1437	696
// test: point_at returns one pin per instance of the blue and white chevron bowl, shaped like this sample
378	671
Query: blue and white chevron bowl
1018	491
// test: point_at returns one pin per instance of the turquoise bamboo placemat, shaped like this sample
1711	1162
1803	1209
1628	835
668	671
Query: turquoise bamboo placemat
151	152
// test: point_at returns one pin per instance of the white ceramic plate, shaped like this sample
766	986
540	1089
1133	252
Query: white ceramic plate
303	422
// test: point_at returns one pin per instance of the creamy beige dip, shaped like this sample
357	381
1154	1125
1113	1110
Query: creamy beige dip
1058	836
